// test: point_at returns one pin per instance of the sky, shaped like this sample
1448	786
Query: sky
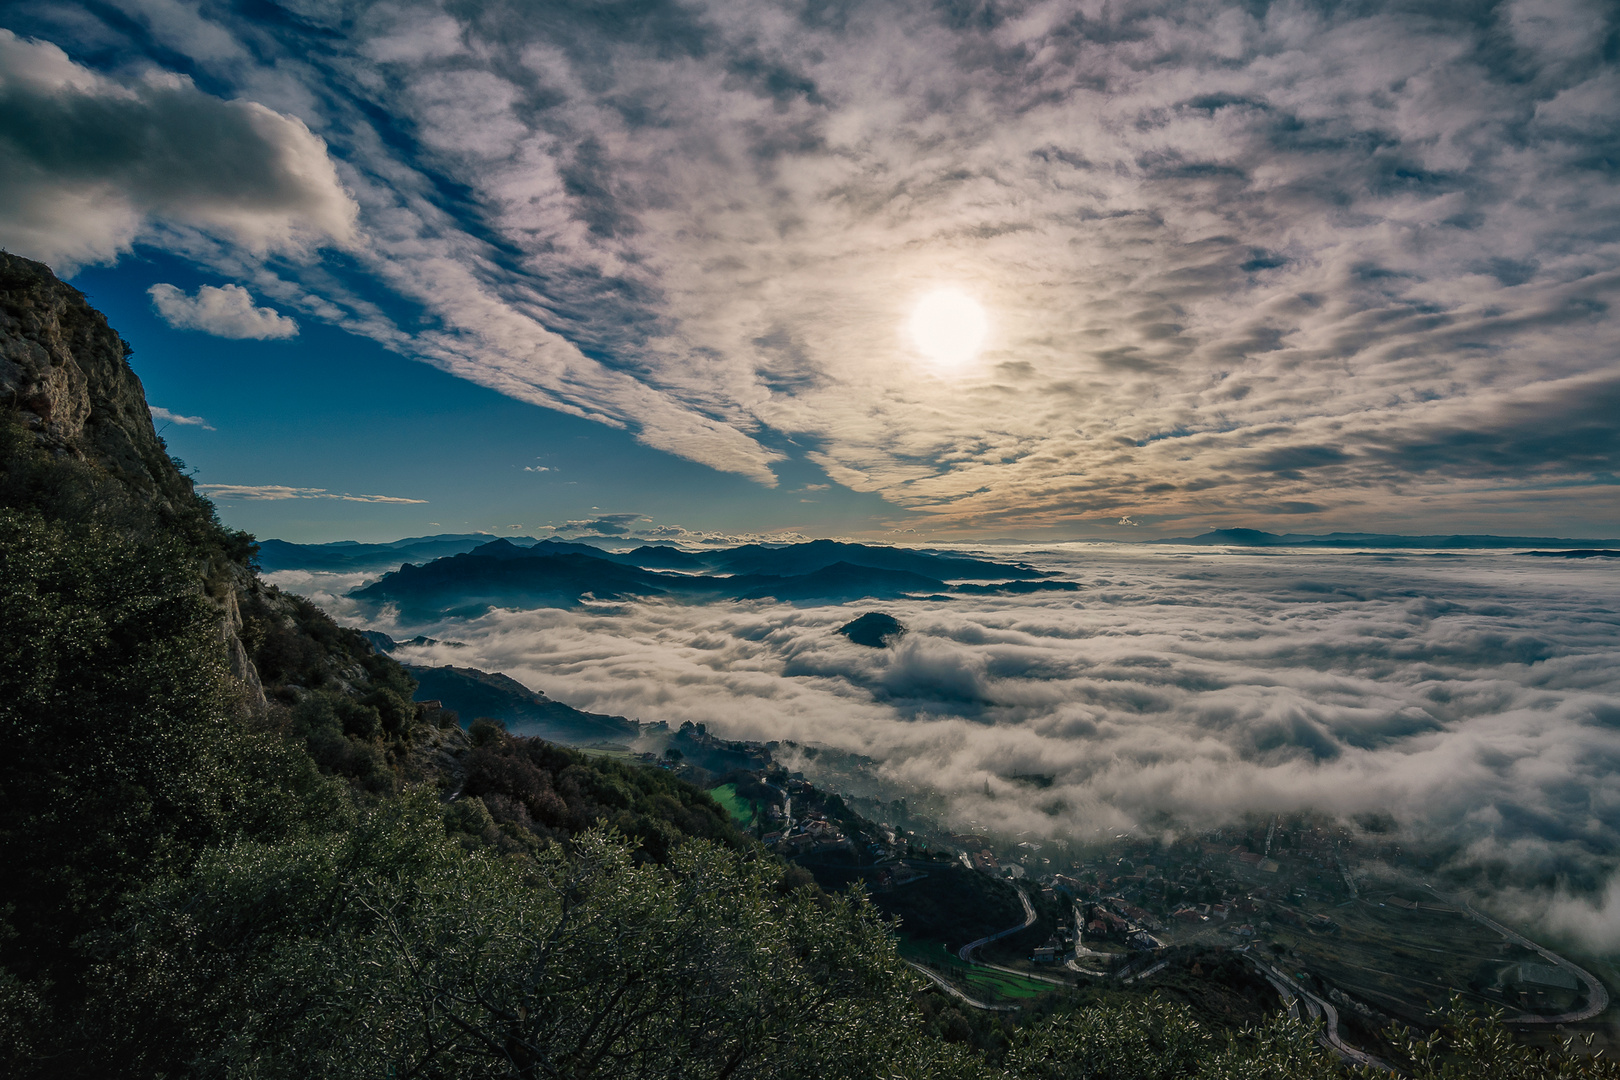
916	271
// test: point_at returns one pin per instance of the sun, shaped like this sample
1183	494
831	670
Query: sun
948	327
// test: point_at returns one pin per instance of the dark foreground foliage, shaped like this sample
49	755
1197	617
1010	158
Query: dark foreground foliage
534	791
124	759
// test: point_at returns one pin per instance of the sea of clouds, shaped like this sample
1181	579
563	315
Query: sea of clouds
1475	697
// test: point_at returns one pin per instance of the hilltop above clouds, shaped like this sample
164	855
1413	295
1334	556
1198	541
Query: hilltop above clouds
552	573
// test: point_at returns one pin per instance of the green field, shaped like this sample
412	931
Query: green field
629	756
977	981
741	810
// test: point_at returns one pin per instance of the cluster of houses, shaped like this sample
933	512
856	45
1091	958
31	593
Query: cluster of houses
1227	881
1115	919
811	830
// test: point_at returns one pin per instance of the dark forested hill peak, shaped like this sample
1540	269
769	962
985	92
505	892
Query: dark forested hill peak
875	630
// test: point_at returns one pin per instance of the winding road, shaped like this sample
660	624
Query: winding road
1597	997
1294	995
939	980
966	951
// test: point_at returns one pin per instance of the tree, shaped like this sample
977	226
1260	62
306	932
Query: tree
391	945
113	712
124	756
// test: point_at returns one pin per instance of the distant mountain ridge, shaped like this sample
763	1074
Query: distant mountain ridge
350	555
552	573
1259	538
772	559
473	693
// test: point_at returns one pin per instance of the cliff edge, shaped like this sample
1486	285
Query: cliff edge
65	374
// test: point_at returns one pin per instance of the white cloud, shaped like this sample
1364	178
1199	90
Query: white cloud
605	525
89	165
1309	264
164	416
1476	698
225	311
537	468
281	491
1192	257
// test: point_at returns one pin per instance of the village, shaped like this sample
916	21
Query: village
1325	912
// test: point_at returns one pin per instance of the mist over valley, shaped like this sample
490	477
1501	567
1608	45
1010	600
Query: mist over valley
1472	695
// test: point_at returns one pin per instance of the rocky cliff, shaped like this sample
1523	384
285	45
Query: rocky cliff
77	444
65	374
65	378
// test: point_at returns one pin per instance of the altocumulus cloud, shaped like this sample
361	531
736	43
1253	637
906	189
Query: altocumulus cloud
1477	699
1343	261
225	311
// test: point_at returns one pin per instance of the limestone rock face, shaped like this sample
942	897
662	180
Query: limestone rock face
238	662
66	375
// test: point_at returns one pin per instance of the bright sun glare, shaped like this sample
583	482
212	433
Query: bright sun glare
948	327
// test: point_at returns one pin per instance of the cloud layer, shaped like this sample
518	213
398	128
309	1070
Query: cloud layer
225	311
1331	265
1476	698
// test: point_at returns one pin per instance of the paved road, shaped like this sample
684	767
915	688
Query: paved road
966	951
1315	1008
939	980
1079	948
1075	967
1597	998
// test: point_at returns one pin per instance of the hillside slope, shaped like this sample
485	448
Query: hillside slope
161	705
474	693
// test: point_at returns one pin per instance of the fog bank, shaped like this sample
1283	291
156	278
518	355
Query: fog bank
1476	698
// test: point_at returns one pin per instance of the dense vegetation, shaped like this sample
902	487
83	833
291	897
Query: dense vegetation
531	791
203	881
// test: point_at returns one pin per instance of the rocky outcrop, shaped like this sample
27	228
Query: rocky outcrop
237	660
65	374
